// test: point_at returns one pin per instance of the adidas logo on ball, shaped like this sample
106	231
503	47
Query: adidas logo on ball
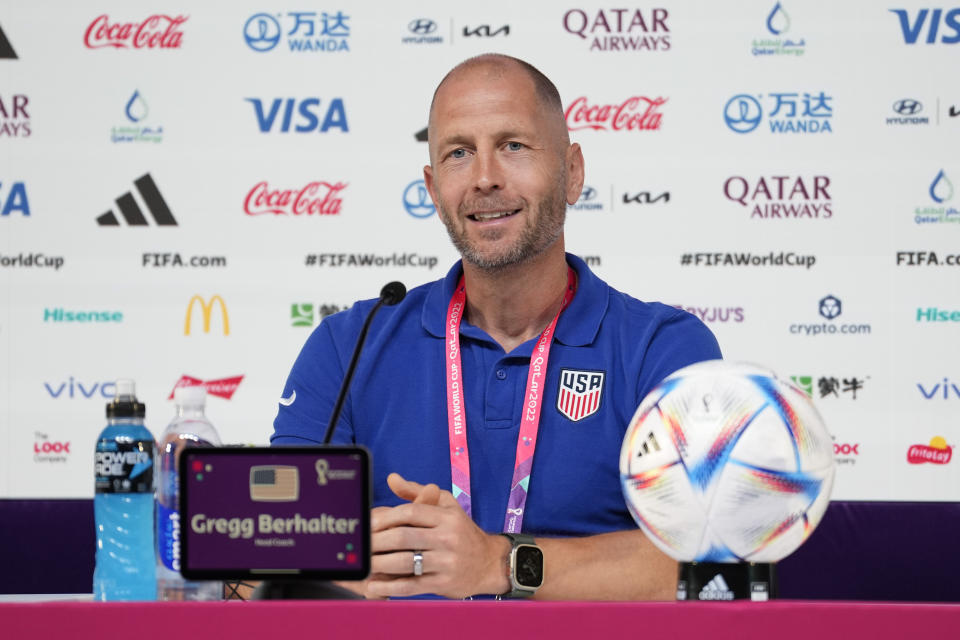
716	589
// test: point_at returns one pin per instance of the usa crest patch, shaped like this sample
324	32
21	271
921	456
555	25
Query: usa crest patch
580	393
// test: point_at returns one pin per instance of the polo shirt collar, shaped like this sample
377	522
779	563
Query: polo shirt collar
578	325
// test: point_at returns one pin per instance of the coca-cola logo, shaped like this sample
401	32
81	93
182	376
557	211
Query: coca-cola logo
157	31
222	388
317	198
637	113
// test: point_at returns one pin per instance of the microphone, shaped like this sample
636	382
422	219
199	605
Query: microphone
391	294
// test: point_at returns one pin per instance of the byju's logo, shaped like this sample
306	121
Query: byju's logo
335	117
6	50
908	112
914	26
206	310
715	314
778	25
790	113
15	200
317	198
830	307
937	452
945	390
136	111
14	119
222	387
638	113
306	314
422	31
310	31
485	31
156	32
620	29
589	200
72	388
770	197
131	211
941	192
416	200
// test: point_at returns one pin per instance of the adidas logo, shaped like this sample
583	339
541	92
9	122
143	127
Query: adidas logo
131	212
6	50
716	589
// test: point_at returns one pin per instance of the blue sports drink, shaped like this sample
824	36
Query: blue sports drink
123	502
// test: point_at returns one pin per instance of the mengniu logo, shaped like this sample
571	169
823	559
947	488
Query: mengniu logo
316	198
305	314
945	390
206	310
941	192
6	49
937	452
778	25
776	197
933	22
222	387
131	212
14	119
620	29
637	113
72	388
422	31
335	116
416	200
14	200
792	112
136	111
158	31
308	31
830	386
47	450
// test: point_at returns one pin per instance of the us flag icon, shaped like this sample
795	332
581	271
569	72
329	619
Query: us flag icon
580	393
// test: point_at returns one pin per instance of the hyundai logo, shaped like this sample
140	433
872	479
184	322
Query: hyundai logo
830	307
262	32
588	194
742	113
422	26
907	107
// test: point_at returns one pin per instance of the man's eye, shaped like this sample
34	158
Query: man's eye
458	153
514	146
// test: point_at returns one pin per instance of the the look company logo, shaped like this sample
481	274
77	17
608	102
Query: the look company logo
334	118
316	198
845	452
306	314
158	31
222	387
131	212
422	31
206	310
907	112
778	25
136	111
579	393
6	49
620	29
743	113
944	390
937	452
830	386
49	451
636	113
72	388
770	197
589	200
713	315
913	27
309	31
941	192
14	119
829	307
14	200
416	200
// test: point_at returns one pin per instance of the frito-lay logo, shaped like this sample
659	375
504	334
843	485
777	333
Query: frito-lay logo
206	309
938	452
580	393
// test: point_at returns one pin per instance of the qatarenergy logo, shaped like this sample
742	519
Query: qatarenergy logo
32	260
370	260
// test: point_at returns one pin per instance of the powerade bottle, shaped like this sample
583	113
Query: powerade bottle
123	502
190	428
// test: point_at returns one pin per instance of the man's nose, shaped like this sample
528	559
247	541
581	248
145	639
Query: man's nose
488	172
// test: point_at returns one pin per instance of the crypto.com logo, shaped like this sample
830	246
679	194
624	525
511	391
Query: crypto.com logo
206	308
743	113
830	307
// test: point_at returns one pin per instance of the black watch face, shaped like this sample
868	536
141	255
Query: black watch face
529	566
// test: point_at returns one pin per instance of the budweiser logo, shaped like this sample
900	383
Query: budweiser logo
636	113
222	388
317	198
156	31
938	452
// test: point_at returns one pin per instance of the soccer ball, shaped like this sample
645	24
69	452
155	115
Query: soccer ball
726	462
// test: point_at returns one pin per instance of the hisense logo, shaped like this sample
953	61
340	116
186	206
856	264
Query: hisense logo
66	315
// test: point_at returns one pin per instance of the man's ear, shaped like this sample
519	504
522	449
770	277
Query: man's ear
432	189
575	172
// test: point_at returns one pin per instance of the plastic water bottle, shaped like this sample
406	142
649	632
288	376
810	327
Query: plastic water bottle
190	428
123	502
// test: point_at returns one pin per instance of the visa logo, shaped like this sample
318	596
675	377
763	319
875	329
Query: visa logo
913	28
16	200
75	389
307	111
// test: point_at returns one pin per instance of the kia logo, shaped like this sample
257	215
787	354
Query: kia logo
742	113
422	26
907	107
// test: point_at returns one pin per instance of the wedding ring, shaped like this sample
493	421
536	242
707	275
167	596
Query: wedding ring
418	563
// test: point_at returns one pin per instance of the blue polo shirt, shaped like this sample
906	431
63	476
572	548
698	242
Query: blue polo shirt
605	341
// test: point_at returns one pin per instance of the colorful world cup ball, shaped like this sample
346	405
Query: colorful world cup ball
726	462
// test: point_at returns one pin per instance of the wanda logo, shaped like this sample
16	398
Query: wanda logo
157	31
317	198
637	113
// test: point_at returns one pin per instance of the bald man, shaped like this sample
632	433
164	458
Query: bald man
494	401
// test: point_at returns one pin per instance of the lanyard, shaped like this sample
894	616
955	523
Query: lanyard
529	423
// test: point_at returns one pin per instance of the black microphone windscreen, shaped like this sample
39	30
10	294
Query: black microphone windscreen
392	293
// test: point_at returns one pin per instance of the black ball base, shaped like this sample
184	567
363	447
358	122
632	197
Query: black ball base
723	581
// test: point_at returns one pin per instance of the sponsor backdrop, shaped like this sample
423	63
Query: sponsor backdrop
187	189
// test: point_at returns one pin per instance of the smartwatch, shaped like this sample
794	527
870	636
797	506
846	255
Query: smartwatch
526	566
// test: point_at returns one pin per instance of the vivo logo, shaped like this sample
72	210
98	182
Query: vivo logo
75	389
334	118
943	389
913	27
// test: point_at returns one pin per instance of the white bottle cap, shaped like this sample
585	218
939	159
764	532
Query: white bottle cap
195	396
126	387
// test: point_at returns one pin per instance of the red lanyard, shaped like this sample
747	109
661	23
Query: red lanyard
529	422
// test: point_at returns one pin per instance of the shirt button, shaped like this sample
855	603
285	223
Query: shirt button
501	374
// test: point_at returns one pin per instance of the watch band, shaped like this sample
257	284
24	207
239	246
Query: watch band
518	590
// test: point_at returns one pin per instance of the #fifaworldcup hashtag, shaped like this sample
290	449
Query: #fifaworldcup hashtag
730	259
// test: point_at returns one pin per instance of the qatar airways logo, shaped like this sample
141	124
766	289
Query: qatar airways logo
158	31
637	113
316	198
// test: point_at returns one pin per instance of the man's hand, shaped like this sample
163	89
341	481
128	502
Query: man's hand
459	559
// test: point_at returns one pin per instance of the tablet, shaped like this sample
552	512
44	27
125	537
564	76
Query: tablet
275	512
